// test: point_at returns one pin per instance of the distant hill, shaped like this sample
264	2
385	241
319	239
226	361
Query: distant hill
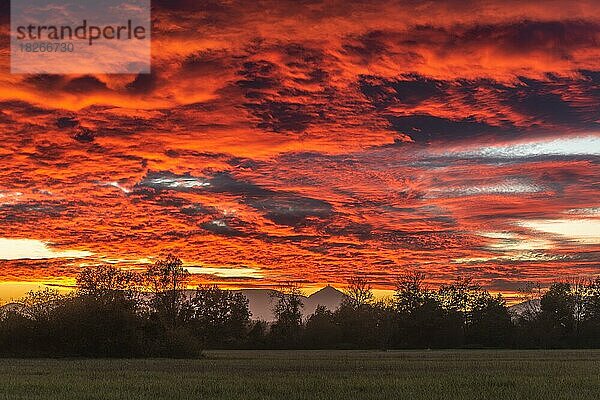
519	309
329	297
260	301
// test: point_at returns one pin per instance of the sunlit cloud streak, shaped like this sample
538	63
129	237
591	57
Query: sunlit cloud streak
584	231
569	146
18	249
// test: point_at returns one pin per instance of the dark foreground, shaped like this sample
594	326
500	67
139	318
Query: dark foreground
313	375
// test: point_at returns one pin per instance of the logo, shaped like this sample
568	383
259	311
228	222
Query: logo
82	37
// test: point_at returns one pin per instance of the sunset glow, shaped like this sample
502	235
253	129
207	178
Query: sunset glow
284	141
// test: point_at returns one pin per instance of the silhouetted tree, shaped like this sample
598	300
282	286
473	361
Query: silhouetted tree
102	317
88	326
358	326
321	329
580	291
167	280
459	298
557	314
433	326
257	335
287	327
592	300
220	317
112	314
489	322
356	317
109	283
590	325
459	295
358	293
27	328
170	309
39	305
411	292
426	318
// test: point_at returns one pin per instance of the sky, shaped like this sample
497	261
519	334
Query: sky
312	141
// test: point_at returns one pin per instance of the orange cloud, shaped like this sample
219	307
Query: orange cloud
316	141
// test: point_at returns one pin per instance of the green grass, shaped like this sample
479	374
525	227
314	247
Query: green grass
287	375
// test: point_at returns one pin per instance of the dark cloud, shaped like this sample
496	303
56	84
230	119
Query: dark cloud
290	209
190	6
221	227
4	12
67	122
45	81
289	96
225	183
24	108
282	116
206	62
32	210
422	240
545	102
507	285
425	128
243	163
143	83
281	207
528	107
411	90
84	135
368	47
85	84
560	38
348	228
196	209
257	76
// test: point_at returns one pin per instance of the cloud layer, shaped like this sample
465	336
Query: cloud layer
317	140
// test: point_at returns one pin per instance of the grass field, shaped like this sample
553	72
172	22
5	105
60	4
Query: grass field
313	375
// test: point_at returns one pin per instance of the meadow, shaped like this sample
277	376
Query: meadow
460	374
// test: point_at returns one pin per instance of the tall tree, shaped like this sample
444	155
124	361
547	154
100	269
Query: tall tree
39	305
590	326
321	330
558	314
287	327
109	283
168	279
459	295
410	292
220	317
489	323
358	292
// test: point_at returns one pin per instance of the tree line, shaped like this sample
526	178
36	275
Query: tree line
122	313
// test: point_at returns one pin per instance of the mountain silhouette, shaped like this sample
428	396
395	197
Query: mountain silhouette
525	307
261	301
